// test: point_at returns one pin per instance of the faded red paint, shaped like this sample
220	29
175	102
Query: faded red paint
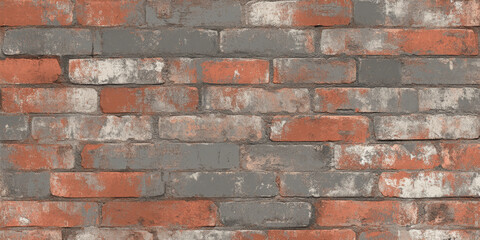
344	234
319	13
457	156
235	71
40	12
331	99
37	157
29	71
109	12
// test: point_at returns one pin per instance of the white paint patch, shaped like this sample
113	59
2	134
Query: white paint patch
23	221
83	100
333	41
194	176
277	127
420	186
195	235
271	13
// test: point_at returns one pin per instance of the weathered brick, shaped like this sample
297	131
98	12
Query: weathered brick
29	71
36	157
13	127
299	13
94	128
256	100
110	12
31	234
440	71
460	156
367	41
422	13
212	128
327	184
449	99
274	42
343	234
116	71
366	99
223	184
46	41
314	70
49	100
106	184
211	234
418	234
320	128
456	213
169	213
383	156
108	233
25	185
365	213
380	72
170	156
48	214
149	99
426	127
429	184
265	214
185	71
233	71
223	13
286	157
43	12
152	42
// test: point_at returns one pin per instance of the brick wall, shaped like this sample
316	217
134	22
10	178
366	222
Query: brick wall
239	120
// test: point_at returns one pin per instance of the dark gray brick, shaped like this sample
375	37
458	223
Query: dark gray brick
26	184
13	127
440	71
379	72
369	12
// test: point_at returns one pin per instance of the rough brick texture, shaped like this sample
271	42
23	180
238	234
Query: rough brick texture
239	120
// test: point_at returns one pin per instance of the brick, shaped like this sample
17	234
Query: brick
451	71
169	213
380	72
343	234
149	99
272	42
256	100
265	214
449	99
49	100
106	233
48	214
110	12
460	156
25	185
456	213
36	157
194	13
211	234
366	99
91	128
106	184
365	213
222	184
44	12
367	41
185	71
299	13
234	71
383	156
31	234
170	156
314	70
45	41
426	127
429	184
29	71
153	42
286	157
99	71
320	128
418	234
423	13
13	127
327	184
212	128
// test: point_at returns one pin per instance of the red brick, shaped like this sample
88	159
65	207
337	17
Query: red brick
48	214
29	71
172	213
36	157
458	156
300	13
49	100
105	184
182	71
399	41
320	128
456	213
36	12
110	12
31	234
365	213
149	99
235	71
343	234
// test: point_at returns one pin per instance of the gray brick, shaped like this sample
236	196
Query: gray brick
274	42
327	184
286	157
106	233
380	72
441	71
223	184
450	99
265	214
369	12
43	41
170	156
152	42
26	184
13	127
